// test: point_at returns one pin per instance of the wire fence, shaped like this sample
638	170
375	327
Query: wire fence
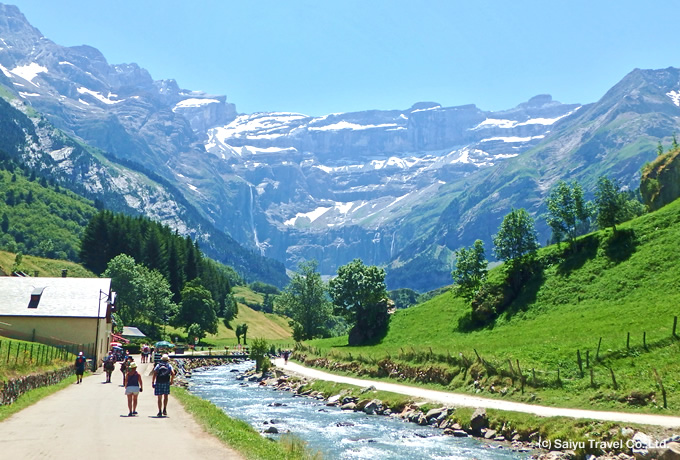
35	350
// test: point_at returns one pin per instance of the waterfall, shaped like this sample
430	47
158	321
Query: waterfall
394	234
259	245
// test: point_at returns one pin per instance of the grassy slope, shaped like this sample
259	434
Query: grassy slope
268	326
606	291
44	267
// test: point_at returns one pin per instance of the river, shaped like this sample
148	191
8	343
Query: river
337	434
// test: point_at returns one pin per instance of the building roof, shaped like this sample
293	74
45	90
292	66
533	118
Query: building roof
58	297
129	331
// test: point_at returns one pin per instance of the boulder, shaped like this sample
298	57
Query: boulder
348	406
460	434
272	430
670	451
373	406
478	420
489	434
438	414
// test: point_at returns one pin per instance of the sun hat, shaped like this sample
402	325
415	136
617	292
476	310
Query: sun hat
165	357
133	365
80	354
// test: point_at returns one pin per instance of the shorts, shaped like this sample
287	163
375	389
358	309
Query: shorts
80	371
161	389
132	390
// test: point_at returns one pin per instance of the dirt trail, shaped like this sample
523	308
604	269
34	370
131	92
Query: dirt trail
89	420
457	399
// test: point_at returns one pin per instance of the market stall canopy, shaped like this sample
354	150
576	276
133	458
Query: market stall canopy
132	333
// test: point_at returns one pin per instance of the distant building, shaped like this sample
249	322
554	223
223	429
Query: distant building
73	312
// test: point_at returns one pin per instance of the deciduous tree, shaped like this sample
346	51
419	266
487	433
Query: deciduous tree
568	212
470	270
305	302
516	236
359	294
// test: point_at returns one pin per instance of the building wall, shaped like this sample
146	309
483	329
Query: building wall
61	331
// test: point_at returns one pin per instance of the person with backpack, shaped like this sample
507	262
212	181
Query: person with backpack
109	366
124	366
80	367
163	376
133	386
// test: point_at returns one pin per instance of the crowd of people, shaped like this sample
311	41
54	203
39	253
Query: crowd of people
162	377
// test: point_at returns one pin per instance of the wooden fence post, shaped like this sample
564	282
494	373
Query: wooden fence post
521	377
579	361
587	358
663	390
644	340
628	342
675	325
616	386
592	378
597	353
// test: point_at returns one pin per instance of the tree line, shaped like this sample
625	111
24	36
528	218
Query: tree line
160	276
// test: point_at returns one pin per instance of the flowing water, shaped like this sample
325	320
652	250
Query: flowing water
337	434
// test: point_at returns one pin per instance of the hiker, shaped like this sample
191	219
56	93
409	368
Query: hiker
286	354
109	366
145	353
80	367
163	377
133	386
124	366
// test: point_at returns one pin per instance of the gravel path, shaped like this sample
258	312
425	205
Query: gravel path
457	399
89	420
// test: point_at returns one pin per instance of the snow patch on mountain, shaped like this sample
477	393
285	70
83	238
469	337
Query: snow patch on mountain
99	96
512	139
347	125
675	97
311	215
29	72
193	102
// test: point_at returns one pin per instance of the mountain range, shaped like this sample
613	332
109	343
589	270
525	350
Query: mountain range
401	189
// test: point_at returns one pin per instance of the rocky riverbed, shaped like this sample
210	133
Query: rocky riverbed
625	444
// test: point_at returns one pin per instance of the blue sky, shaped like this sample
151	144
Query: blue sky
319	57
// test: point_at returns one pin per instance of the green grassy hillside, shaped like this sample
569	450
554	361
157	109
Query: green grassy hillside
609	288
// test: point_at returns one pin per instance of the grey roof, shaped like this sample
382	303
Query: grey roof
129	331
73	297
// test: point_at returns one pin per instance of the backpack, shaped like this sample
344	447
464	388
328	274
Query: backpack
163	372
109	363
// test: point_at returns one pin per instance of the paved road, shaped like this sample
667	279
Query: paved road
456	399
90	421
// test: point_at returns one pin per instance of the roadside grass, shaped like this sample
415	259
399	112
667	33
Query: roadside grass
609	288
18	358
239	435
33	396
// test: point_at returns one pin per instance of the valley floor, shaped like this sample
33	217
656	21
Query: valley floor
458	399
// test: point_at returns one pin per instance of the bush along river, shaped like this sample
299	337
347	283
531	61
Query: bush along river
336	433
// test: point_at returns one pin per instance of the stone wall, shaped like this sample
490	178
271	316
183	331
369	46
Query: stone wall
13	388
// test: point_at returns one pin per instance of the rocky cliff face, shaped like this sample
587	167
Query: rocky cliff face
402	188
660	183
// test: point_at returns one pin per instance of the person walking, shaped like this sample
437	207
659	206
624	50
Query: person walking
133	386
80	367
124	367
163	376
109	366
